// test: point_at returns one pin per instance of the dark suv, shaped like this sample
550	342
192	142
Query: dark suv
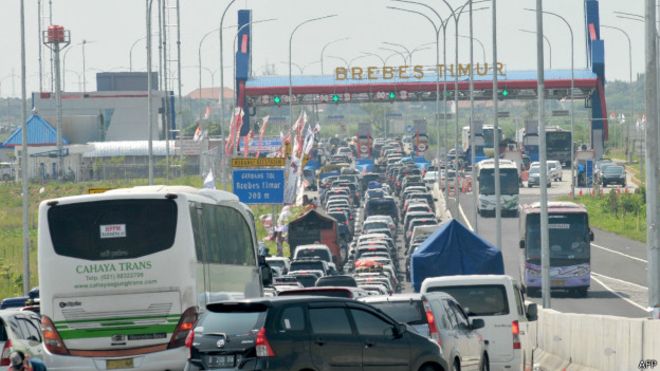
306	333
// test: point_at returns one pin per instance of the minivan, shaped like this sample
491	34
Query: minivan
306	333
498	300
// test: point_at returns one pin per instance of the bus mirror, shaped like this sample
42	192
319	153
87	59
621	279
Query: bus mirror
591	235
522	244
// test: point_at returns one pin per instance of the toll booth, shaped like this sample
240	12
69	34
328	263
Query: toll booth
584	164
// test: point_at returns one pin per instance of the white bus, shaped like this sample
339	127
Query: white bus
124	274
509	187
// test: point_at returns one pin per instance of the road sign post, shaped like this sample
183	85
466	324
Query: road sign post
259	186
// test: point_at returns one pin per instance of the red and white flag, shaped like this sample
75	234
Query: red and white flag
198	134
207	112
262	131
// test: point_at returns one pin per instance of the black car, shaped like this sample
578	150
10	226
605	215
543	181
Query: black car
306	333
343	281
382	206
614	175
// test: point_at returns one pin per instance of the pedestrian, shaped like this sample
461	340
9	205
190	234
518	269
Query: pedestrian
19	362
263	250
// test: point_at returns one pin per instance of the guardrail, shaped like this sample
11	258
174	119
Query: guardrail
585	342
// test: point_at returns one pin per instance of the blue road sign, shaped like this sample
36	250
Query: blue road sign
259	186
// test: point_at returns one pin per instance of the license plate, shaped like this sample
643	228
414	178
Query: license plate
556	283
113	364
221	361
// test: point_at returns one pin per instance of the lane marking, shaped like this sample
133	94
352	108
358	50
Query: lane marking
619	295
620	253
620	281
467	221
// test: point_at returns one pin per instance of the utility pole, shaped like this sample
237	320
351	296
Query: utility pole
651	90
545	240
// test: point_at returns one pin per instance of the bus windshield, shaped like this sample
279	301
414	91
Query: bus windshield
559	140
569	236
508	181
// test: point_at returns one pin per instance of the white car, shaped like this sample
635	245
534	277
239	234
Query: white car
555	171
20	331
429	178
279	263
319	251
498	300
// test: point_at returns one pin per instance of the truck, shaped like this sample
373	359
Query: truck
454	250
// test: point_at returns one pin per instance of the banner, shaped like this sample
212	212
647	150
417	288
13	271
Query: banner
262	131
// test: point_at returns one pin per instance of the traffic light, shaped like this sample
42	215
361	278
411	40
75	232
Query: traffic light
335	98
505	92
391	95
277	100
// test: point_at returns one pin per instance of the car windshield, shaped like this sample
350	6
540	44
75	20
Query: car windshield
409	311
614	170
569	236
276	263
375	225
478	300
322	254
306	265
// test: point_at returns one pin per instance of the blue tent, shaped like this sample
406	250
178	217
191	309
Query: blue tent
454	250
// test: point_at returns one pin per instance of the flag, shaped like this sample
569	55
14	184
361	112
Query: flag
209	181
309	142
246	144
262	131
198	134
234	130
207	112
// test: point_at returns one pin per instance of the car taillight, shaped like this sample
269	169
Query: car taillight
433	326
262	345
6	351
190	339
185	326
52	340
515	331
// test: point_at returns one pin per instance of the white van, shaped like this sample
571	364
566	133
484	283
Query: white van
498	300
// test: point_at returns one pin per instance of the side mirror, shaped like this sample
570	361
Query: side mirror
522	244
477	323
532	312
398	330
591	235
266	274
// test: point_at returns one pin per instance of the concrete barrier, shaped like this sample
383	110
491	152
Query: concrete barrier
581	342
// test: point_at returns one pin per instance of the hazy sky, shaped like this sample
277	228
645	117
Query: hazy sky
111	27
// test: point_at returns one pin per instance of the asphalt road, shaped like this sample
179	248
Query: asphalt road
618	285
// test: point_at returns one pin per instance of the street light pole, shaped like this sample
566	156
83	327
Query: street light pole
570	29
84	78
545	240
651	95
222	90
632	90
547	40
24	159
481	44
496	135
328	44
290	53
473	134
130	53
443	26
150	121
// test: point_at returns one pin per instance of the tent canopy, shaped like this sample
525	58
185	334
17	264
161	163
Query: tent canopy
454	250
